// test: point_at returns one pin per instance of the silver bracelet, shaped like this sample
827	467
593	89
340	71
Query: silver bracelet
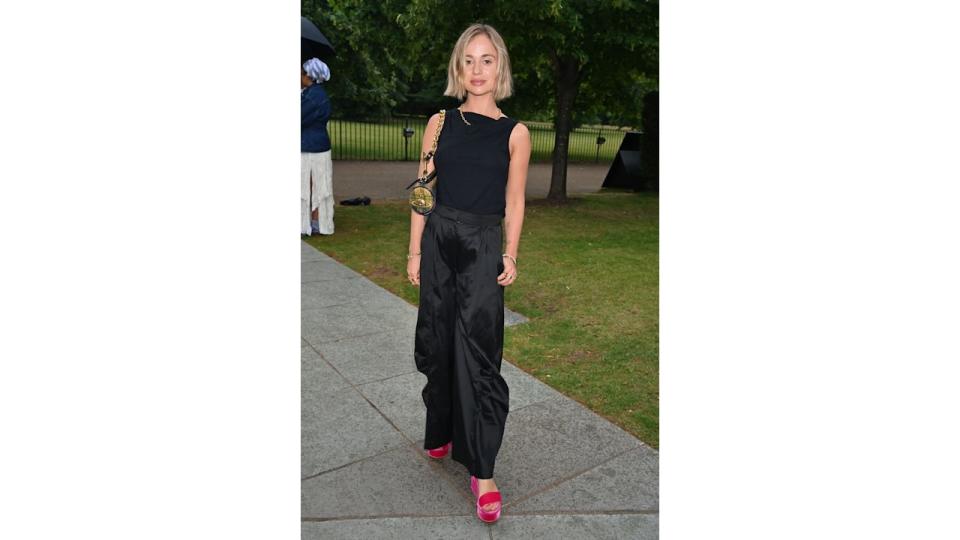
412	255
512	258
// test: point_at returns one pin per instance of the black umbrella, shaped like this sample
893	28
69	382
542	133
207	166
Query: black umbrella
313	44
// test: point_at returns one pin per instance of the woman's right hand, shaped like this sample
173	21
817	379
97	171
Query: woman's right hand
413	270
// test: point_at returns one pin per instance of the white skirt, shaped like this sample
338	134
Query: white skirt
316	190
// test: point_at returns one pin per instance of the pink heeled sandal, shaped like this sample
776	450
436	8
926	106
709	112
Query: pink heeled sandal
438	453
485	499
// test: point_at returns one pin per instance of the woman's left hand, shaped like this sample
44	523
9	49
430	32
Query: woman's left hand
509	274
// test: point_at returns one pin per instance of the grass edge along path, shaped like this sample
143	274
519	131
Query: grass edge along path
589	283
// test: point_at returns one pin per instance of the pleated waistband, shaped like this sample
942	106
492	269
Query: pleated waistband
462	216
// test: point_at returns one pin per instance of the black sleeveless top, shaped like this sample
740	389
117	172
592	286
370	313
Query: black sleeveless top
472	162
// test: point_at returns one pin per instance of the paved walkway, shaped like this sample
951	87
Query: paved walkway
381	180
563	471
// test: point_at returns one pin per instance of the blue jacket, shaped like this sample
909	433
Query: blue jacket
314	113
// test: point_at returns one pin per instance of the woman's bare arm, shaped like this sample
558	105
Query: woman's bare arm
417	221
516	198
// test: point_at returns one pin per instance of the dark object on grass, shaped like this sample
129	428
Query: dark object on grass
313	44
356	201
625	170
637	164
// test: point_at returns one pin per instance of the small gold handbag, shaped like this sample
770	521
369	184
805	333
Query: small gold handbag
423	198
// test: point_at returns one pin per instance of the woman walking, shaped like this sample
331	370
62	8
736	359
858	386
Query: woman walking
316	165
458	259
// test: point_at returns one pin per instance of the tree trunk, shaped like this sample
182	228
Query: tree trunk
568	74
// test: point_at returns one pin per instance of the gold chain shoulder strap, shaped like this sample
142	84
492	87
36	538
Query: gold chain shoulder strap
433	147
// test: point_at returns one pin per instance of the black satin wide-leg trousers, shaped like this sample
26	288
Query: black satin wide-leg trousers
459	337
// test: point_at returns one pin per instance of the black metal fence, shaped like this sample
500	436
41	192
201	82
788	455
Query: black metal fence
399	139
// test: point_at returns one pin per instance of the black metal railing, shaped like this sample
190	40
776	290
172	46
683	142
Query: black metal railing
398	139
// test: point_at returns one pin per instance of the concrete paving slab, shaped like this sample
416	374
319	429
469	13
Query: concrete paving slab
579	527
628	482
333	292
319	294
316	375
373	357
564	471
395	483
339	428
546	443
324	269
554	439
310	253
512	318
524	389
319	326
399	399
406	528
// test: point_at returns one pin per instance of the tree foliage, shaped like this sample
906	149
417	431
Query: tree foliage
573	61
368	72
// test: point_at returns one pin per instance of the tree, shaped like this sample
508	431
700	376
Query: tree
584	60
605	52
368	70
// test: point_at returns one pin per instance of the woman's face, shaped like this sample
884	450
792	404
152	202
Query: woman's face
305	80
480	66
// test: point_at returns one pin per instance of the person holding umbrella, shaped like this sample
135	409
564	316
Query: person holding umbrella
316	163
458	259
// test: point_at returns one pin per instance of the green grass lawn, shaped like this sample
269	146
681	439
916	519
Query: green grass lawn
384	141
588	282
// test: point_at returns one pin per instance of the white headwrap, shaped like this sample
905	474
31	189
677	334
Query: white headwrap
317	70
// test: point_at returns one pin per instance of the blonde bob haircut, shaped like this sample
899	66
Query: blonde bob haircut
455	69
